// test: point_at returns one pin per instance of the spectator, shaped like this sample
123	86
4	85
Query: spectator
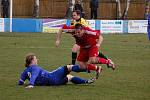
0	9
78	6
94	6
36	8
148	28
5	8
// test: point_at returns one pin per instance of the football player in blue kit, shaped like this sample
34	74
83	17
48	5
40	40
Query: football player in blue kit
40	77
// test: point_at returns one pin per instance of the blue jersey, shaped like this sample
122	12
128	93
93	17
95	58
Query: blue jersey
38	76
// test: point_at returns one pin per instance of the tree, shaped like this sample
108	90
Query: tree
70	8
118	9
36	8
125	13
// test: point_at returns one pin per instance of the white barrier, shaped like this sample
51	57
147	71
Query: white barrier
2	25
111	26
137	26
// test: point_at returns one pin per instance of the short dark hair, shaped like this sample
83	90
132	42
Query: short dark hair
78	26
78	12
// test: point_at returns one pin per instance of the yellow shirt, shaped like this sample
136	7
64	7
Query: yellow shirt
80	21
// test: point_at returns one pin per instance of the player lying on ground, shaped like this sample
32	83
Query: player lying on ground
89	41
76	18
40	77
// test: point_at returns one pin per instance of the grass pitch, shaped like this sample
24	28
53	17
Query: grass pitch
130	81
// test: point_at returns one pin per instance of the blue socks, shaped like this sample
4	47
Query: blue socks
76	68
77	80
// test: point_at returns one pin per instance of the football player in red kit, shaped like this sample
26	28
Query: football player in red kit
89	41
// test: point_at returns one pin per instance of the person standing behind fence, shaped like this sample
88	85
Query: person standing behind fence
0	8
79	7
94	6
148	27
5	8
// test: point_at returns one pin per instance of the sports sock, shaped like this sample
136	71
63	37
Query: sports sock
91	67
76	68
74	56
102	55
102	61
78	80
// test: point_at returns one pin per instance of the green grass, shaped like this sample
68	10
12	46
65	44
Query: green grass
130	81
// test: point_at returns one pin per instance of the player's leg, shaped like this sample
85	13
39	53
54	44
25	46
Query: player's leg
78	80
75	49
83	57
100	54
76	68
91	67
60	72
63	77
60	75
94	59
108	62
98	69
82	67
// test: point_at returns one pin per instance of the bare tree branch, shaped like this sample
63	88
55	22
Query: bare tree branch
118	9
125	14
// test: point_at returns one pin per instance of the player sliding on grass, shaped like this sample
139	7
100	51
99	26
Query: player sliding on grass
76	18
89	41
38	76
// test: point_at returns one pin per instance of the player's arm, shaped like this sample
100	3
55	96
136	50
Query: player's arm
23	77
65	28
100	40
58	37
34	75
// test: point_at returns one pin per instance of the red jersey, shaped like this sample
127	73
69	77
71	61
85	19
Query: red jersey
88	39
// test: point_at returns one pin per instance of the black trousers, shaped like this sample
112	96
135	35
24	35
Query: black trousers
93	13
5	12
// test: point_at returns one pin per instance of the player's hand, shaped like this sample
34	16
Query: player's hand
98	45
57	43
29	86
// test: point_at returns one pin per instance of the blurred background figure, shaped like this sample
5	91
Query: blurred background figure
0	9
70	8
148	28
78	6
94	6
36	8
147	6
5	8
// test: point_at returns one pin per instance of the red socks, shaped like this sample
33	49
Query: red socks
91	67
102	60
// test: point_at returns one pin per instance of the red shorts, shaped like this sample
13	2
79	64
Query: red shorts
86	53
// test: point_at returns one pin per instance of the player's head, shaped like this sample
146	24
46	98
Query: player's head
79	30
76	15
78	1
30	59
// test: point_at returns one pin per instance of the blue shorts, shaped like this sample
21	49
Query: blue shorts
60	75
